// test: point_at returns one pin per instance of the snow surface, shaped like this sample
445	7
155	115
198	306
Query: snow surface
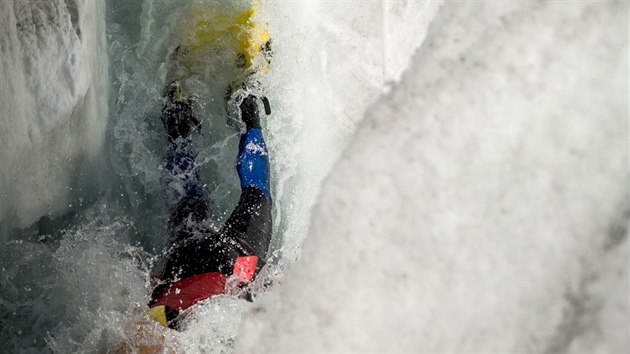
53	116
475	203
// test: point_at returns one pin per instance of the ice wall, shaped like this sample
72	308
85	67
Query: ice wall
471	209
53	102
331	61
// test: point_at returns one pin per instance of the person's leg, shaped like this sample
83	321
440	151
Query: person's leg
191	206
250	222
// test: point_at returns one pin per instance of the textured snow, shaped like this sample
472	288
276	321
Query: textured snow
480	202
53	118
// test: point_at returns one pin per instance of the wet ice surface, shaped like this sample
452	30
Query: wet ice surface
53	116
479	194
472	209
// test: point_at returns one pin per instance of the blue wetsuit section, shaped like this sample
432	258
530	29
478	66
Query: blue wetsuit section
253	161
180	162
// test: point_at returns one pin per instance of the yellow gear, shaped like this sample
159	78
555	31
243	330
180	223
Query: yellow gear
216	24
158	313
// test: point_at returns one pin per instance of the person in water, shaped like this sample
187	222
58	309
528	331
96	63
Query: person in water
201	261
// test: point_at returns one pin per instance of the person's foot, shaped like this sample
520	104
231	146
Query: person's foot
177	115
249	112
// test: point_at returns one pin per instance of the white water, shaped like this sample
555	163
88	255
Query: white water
80	284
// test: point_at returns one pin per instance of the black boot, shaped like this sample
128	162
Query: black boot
177	114
249	112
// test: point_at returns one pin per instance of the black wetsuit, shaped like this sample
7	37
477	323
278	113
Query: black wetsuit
199	259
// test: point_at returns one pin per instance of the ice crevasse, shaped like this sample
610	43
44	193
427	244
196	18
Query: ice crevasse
477	203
